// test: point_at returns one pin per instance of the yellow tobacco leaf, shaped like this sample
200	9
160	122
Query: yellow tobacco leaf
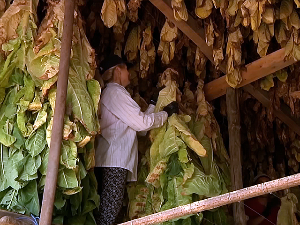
179	10
267	82
269	15
286	8
187	135
294	19
133	44
169	32
109	13
203	10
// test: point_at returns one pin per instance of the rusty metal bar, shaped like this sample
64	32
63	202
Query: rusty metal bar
58	121
221	200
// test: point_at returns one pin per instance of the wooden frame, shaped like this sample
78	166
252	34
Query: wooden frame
254	71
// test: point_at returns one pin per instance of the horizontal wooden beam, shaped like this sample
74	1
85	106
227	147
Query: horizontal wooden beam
254	71
218	201
190	28
284	113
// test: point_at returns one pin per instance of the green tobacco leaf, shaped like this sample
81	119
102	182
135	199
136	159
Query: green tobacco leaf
29	88
203	185
67	178
90	220
37	142
46	63
94	90
17	78
9	108
29	199
30	166
77	220
75	201
187	135
169	144
41	118
5	138
174	166
13	168
44	164
2	95
60	201
68	156
91	199
82	104
207	161
20	139
3	163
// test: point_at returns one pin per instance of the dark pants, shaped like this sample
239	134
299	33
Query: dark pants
112	184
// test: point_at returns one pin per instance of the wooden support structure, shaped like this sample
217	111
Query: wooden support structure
234	130
254	71
59	113
284	113
221	200
216	88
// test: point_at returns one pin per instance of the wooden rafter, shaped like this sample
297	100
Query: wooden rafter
254	71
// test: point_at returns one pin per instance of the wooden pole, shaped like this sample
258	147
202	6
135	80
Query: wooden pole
221	200
58	121
234	130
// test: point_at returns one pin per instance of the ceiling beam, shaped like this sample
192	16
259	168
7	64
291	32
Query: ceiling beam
284	113
254	71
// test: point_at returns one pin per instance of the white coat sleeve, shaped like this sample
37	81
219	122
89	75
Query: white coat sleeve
127	110
149	110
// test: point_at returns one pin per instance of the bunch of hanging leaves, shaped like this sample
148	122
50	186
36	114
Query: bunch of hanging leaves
29	61
181	165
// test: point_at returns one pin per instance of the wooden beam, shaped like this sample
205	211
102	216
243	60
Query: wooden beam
190	28
284	113
234	130
221	200
254	71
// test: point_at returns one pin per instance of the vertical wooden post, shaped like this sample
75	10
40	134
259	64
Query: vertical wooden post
233	116
59	113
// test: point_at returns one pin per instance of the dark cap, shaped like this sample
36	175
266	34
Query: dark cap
109	62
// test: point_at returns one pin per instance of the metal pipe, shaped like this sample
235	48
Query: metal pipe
221	200
58	121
